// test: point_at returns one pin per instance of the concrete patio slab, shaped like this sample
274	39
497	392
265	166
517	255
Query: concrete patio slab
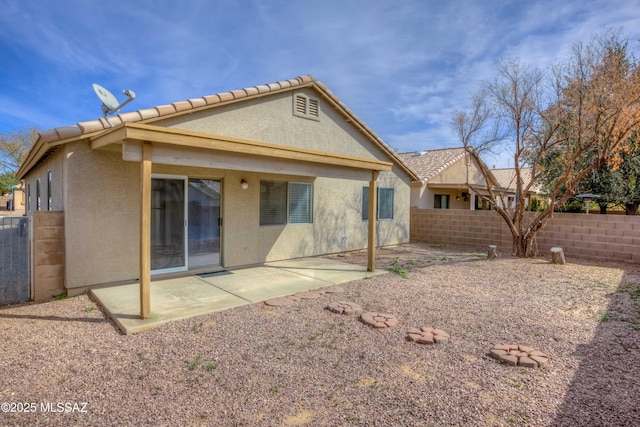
185	297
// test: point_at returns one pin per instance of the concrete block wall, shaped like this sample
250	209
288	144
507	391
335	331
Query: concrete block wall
48	254
593	236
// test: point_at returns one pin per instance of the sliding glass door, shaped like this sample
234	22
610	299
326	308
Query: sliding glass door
168	225
185	223
204	222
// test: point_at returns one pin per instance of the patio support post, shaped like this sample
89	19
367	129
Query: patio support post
145	231
371	238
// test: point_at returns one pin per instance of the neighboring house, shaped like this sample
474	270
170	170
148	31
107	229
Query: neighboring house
506	186
446	178
270	172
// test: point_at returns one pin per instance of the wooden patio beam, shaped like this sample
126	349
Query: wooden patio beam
145	231
371	237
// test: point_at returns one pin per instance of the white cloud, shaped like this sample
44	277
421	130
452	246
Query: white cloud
403	67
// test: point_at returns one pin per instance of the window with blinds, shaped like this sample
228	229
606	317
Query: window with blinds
385	203
300	203
282	203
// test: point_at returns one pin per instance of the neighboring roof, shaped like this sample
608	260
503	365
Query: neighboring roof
429	163
506	178
49	140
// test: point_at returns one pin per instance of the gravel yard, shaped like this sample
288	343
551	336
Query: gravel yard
259	365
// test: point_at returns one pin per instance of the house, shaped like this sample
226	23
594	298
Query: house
506	186
447	179
270	172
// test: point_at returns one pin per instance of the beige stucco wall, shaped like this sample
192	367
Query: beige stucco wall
102	210
55	164
270	119
452	181
101	217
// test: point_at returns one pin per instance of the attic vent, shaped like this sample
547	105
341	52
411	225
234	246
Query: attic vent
306	107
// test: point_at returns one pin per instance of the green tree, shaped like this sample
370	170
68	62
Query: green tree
627	176
14	147
564	125
7	180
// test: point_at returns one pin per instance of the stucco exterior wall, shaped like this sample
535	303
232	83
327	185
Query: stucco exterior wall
102	217
271	119
337	218
452	181
101	200
55	164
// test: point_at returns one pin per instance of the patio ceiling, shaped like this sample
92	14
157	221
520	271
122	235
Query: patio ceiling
225	152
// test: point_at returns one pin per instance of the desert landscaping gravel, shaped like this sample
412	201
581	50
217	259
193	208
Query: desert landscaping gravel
302	364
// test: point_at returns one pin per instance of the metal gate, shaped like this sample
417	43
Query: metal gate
14	260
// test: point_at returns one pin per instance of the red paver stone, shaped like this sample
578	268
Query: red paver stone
527	363
497	353
425	339
519	355
510	360
332	290
278	302
441	339
379	320
541	361
427	335
414	337
307	295
344	307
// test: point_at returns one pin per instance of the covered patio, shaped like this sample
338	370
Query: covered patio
185	297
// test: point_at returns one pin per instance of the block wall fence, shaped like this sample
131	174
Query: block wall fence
48	254
592	236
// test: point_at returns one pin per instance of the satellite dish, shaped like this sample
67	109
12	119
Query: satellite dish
110	104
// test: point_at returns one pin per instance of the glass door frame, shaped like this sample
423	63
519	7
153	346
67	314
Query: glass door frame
185	182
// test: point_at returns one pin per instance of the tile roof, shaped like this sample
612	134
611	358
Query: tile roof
429	163
52	138
160	111
506	177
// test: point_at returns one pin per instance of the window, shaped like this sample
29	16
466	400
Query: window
282	203
49	190
306	107
300	203
441	201
385	203
37	194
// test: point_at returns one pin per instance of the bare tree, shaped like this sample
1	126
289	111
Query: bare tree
14	147
580	116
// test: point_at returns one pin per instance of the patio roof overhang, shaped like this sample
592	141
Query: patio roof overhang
229	153
146	144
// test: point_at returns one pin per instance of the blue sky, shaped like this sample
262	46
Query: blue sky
402	66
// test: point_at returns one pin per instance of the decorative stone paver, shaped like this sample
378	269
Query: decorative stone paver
279	302
306	295
344	307
379	320
519	355
427	335
332	290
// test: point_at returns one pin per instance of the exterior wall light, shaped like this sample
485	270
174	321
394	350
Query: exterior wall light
244	184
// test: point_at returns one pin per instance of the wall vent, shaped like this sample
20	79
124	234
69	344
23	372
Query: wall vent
306	107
